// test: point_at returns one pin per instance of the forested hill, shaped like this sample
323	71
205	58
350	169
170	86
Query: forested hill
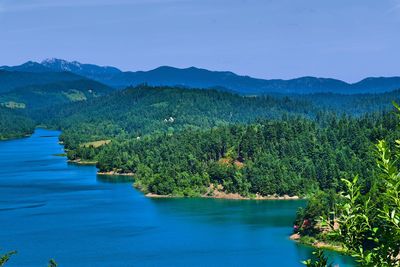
202	78
292	156
53	94
10	80
144	110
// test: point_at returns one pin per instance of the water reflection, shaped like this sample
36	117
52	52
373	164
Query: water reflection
115	179
220	211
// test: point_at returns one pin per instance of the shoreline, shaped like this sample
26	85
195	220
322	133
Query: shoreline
217	193
315	243
229	196
81	162
295	198
113	173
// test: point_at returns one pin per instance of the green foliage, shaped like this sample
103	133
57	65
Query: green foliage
293	156
143	110
369	224
37	97
14	124
52	263
320	260
6	257
355	105
320	204
356	229
188	138
369	221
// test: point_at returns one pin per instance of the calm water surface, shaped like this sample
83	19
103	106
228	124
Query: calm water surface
52	209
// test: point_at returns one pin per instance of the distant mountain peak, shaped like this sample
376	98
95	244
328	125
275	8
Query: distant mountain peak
52	61
61	64
87	70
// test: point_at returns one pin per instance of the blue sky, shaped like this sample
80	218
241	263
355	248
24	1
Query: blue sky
345	39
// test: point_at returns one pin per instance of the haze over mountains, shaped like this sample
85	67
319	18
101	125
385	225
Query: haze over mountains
189	77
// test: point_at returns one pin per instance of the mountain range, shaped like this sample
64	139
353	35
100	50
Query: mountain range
195	78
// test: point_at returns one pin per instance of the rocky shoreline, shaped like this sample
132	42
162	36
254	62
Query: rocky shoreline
82	162
218	193
113	173
229	196
317	243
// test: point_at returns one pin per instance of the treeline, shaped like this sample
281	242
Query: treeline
293	156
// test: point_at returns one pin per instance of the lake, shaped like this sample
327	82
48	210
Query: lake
52	209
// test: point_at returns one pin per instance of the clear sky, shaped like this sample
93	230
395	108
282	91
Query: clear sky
345	39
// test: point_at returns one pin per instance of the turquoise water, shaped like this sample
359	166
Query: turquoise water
52	209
